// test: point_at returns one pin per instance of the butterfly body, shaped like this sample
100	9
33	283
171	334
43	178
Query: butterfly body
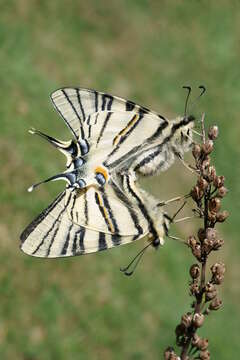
114	142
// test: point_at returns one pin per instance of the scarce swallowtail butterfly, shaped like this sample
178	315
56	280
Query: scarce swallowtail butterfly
114	142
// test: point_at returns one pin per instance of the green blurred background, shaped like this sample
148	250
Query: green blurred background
84	308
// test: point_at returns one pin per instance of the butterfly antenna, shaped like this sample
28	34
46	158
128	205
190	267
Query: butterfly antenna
135	261
203	90
189	89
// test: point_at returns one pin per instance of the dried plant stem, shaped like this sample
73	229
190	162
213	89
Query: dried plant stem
207	195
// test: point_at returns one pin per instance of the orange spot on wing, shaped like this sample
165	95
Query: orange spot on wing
102	171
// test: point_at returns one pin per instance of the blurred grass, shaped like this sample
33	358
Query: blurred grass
83	308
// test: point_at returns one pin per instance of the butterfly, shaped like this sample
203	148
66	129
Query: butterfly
114	141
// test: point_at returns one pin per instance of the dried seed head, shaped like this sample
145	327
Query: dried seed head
211	173
215	304
198	320
222	191
186	320
213	132
211	234
207	148
218	181
218	269
192	241
212	217
203	344
222	216
196	251
204	355
196	193
205	164
194	271
218	244
194	288
215	205
210	291
201	234
207	245
196	151
218	279
169	354
202	184
195	340
180	330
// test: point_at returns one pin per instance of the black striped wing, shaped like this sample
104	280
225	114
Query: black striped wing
84	223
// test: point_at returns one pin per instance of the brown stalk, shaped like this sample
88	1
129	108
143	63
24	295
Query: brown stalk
207	195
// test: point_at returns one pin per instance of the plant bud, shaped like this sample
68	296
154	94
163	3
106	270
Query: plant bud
207	245
198	320
205	163
212	217
222	191
211	173
218	244
186	320
218	269
201	234
196	151
222	216
194	289
210	291
203	344
169	354
214	205
194	271
192	242
207	148
215	304
211	234
213	132
196	251
218	279
196	193
195	340
202	184
204	355
218	181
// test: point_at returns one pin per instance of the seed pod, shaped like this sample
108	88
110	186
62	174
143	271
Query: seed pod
222	191
192	241
180	330
194	288
198	320
213	132
218	279
196	151
211	233
215	304
218	268
186	320
204	355
214	205
222	216
194	271
202	184
203	344
207	148
212	217
196	193
218	244
169	354
211	173
218	181
195	340
210	291
207	245
196	251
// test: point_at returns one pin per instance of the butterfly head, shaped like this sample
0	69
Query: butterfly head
183	135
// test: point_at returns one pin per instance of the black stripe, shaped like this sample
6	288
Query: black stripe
89	131
104	101
108	207
31	227
96	101
130	105
124	137
51	228
150	158
102	245
72	106
102	212
81	240
116	240
143	209
104	126
131	211
65	246
73	204
80	104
